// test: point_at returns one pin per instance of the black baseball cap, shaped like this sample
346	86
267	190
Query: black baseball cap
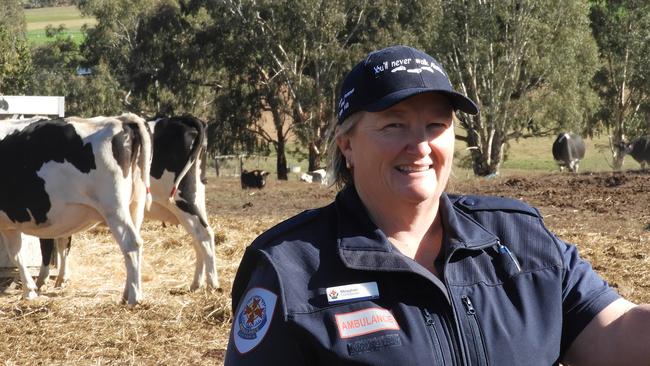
390	75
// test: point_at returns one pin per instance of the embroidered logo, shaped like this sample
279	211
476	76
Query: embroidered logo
253	318
414	66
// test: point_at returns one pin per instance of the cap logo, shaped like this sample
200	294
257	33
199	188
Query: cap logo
344	104
400	65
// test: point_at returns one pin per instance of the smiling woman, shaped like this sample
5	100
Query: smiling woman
437	278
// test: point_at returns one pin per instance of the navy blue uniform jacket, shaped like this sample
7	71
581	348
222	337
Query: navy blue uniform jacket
511	292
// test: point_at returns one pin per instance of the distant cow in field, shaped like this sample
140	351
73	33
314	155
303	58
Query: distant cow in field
316	176
568	150
253	179
64	177
178	190
639	149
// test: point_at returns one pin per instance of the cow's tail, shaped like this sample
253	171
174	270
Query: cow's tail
195	153
145	157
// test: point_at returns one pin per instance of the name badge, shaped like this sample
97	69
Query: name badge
357	291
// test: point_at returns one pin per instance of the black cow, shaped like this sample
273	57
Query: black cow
568	149
178	190
639	149
253	179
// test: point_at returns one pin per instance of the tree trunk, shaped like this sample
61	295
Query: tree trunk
281	165
486	160
617	154
314	158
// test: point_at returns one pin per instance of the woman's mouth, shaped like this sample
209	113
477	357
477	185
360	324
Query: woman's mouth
413	168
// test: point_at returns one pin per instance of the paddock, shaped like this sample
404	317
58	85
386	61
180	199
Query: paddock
605	214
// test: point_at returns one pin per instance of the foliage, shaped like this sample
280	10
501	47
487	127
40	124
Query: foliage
288	57
622	31
55	73
15	63
12	17
527	64
113	39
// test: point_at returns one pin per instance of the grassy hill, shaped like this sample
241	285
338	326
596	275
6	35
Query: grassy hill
69	16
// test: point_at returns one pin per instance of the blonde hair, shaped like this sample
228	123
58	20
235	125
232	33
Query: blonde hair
337	171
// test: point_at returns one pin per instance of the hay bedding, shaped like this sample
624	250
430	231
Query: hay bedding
84	324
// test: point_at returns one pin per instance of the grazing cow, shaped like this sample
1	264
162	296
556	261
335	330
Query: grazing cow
253	179
316	176
178	190
66	177
568	149
639	148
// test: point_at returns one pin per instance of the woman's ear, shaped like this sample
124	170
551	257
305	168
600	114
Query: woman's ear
343	141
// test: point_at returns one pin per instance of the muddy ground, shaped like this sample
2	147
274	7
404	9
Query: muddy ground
606	215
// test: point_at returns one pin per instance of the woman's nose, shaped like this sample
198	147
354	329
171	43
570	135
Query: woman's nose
419	144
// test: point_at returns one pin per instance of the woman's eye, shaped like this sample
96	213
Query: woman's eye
437	125
393	125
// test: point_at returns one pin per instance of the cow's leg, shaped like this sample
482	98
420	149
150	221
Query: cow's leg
47	248
130	243
205	270
62	251
13	243
138	203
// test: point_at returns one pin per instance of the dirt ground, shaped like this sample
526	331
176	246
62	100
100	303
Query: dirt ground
606	215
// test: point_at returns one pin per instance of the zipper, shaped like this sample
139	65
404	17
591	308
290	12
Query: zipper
433	334
451	320
476	330
502	249
455	340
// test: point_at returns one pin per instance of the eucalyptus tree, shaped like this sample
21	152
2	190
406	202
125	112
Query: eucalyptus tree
15	59
290	56
622	30
55	73
527	63
112	39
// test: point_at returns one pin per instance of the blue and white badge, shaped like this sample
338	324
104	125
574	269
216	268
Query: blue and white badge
353	292
253	318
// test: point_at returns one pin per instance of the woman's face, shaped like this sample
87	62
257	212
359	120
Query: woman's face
402	154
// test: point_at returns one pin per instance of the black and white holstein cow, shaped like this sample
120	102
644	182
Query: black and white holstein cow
178	190
315	176
639	149
568	150
253	179
64	177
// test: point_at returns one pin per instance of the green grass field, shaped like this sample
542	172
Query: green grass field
38	19
526	156
533	155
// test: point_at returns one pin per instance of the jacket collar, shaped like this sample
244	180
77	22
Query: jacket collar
362	245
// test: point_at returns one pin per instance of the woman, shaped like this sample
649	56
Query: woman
397	272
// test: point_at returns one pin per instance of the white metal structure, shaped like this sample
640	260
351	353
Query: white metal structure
32	105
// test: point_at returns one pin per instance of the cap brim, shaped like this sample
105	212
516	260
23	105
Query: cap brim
458	101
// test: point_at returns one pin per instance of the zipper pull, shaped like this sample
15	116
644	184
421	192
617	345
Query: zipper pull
427	317
502	249
469	307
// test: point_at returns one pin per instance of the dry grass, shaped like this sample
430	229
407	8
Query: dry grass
84	324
